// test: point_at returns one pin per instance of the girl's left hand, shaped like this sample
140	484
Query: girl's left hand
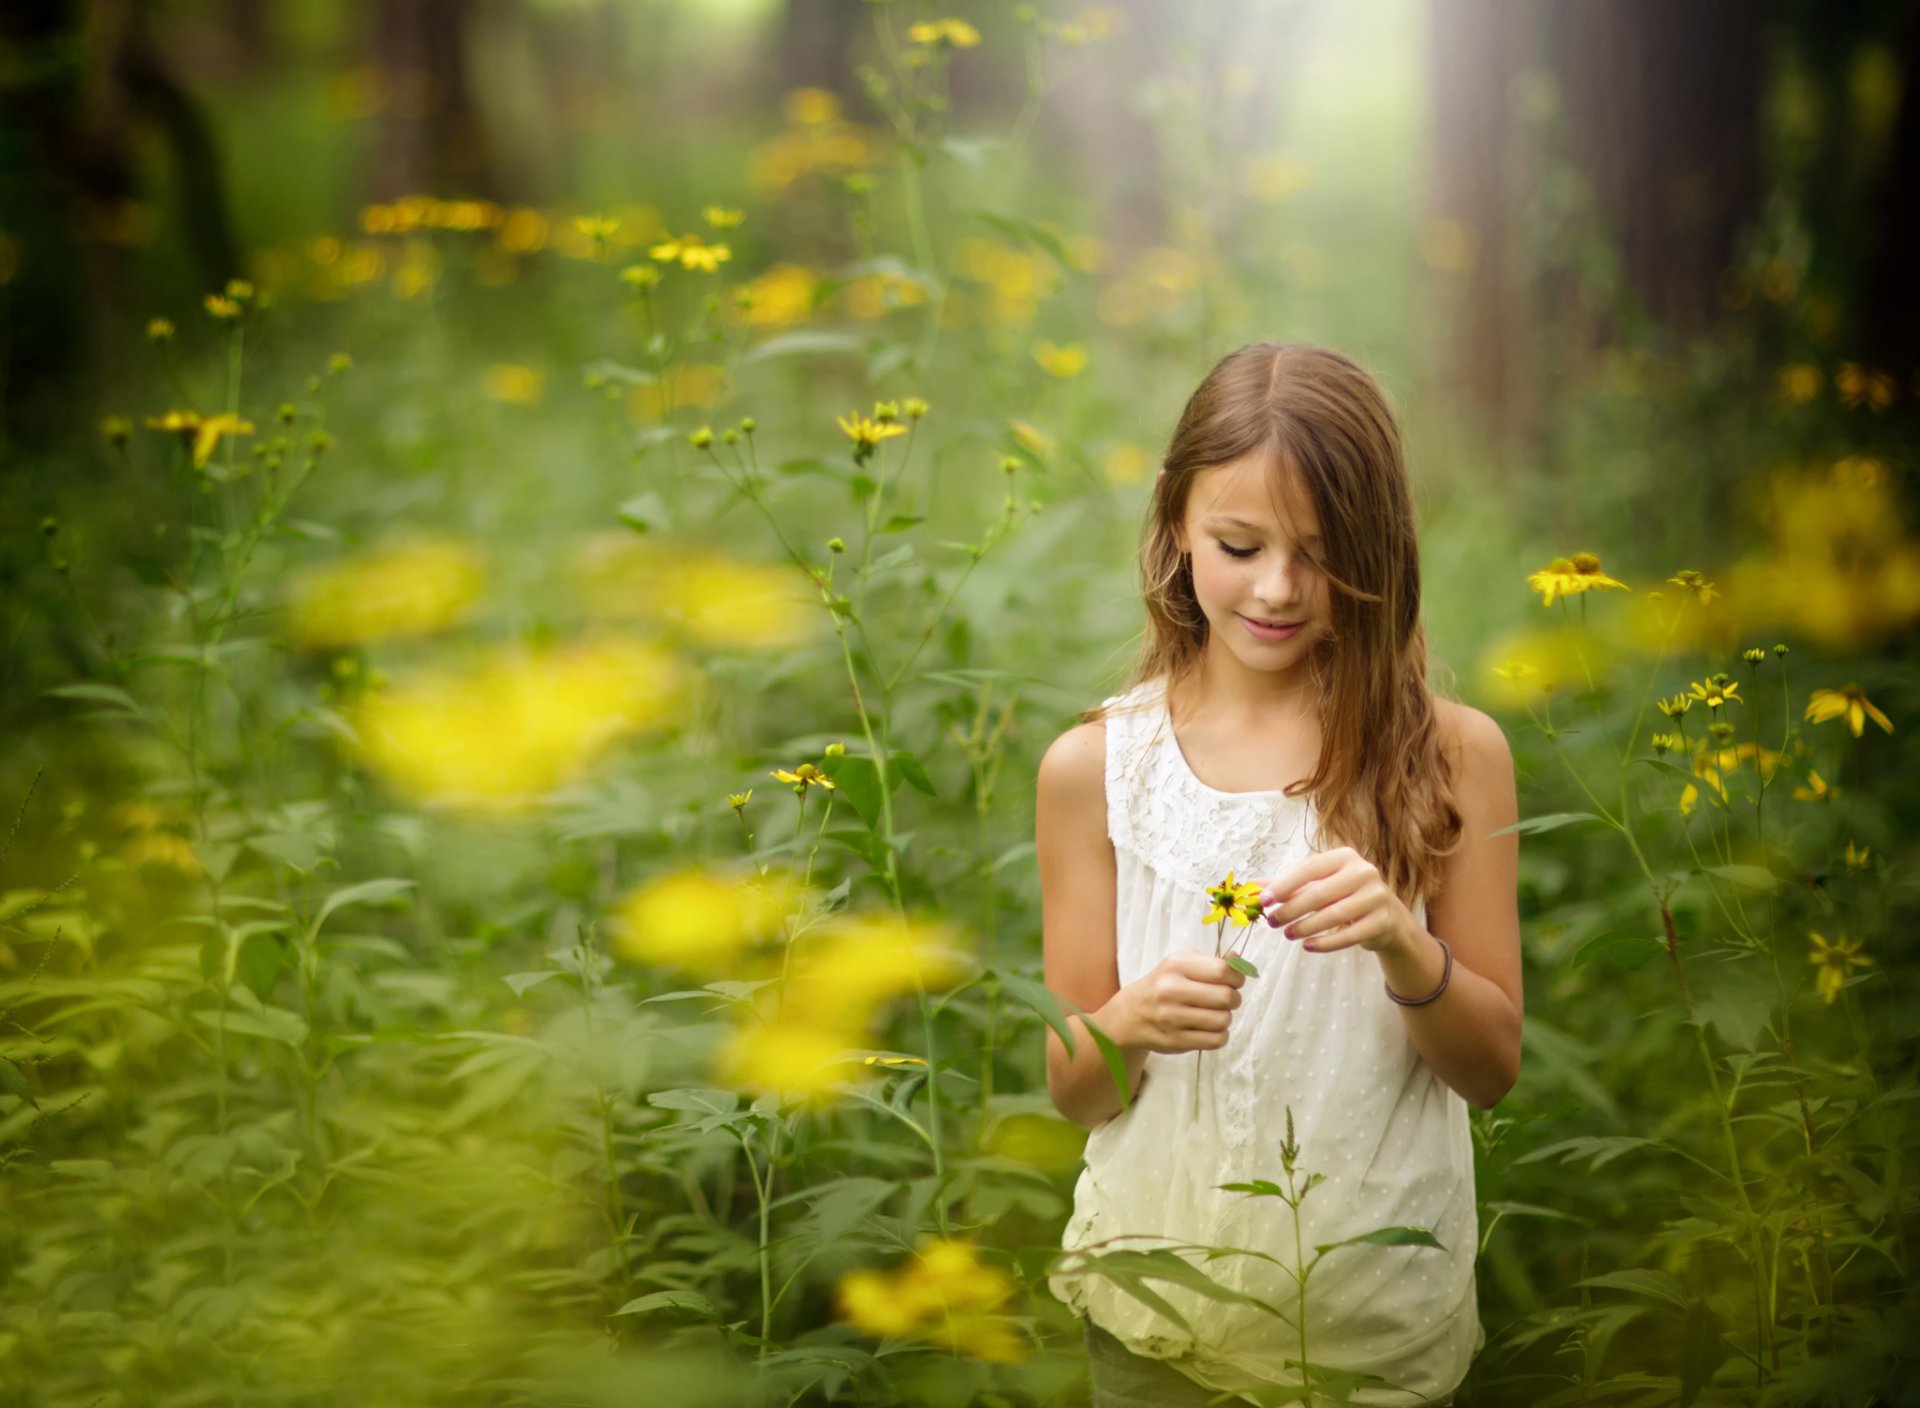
1334	900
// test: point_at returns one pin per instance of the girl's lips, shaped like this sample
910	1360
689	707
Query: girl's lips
1260	630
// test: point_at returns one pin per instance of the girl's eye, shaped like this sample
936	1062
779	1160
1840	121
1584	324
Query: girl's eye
1237	552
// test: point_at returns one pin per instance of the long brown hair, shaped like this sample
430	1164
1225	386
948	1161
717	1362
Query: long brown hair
1382	784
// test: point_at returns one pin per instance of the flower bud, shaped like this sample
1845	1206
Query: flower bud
836	545
702	438
836	750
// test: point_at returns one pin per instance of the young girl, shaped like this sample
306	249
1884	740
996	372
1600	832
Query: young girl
1280	726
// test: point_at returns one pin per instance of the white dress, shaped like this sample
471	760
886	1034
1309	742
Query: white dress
1315	1031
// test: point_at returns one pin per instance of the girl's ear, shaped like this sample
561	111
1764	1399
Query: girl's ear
1180	539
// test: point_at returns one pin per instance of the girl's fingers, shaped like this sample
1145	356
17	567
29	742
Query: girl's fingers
1326	920
1304	901
1208	995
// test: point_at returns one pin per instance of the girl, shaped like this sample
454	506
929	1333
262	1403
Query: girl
1279	726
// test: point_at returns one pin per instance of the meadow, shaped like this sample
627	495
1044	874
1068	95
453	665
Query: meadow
521	722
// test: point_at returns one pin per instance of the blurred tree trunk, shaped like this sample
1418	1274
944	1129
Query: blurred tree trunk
1889	292
817	45
1660	107
1481	169
93	79
432	138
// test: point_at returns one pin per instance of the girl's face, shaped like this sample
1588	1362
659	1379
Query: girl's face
1254	540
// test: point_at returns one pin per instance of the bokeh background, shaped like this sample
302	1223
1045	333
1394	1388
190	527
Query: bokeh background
453	453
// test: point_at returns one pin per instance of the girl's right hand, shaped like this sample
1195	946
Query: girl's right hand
1185	1004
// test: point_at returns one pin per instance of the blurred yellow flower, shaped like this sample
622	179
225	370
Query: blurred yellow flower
1840	565
1836	960
1694	586
1570	577
499	734
691	252
1449	246
1858	857
1125	464
203	433
855	962
513	384
1520	668
778	298
1064	362
1847	702
1800	382
956	34
408	589
222	307
681	385
811	107
1016	279
795	1055
1818	789
699	918
705	595
1863	386
946	1294
876	295
723	218
597	228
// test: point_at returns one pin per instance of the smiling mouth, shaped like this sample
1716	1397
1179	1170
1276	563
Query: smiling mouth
1272	625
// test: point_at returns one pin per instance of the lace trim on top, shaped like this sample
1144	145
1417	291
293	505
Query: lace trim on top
1177	825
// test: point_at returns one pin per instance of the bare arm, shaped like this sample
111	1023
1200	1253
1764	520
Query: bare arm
1470	1035
1185	1004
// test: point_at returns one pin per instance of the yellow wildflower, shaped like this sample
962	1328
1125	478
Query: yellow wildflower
803	777
1570	577
1836	960
598	228
956	34
723	218
691	252
1858	857
811	107
1800	382
697	918
1677	706
1847	702
226	309
498	735
1694	585
1818	789
1058	361
946	1294
1716	691
866	435
1863	386
791	1055
1237	902
739	800
159	330
514	385
411	588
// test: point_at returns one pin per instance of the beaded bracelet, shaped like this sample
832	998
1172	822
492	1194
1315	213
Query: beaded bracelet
1445	974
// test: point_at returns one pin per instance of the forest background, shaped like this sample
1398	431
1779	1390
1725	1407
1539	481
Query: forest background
541	542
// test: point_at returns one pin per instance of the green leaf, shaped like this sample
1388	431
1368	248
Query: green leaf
269	1023
13	1081
1255	1188
1751	877
806	344
1041	999
910	769
523	983
1386	1237
125	703
1626	952
1600	1149
1656	1285
701	1100
366	892
1028	232
690	1301
644	512
1129	1267
1241	965
1110	1052
1533	825
899	523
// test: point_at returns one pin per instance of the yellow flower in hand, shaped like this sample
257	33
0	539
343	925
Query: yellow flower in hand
1238	903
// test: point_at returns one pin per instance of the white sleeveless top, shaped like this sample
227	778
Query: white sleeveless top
1315	1031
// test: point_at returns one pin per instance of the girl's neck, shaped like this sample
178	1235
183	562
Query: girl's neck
1227	690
